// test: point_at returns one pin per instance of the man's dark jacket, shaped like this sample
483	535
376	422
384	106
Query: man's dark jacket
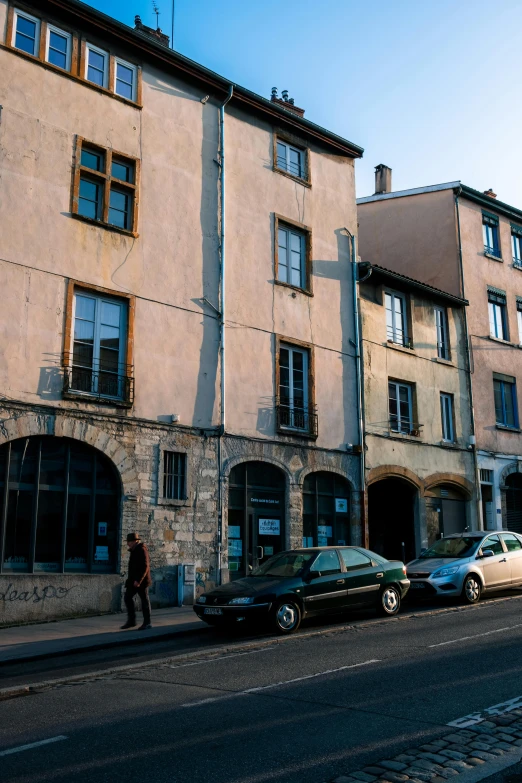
139	567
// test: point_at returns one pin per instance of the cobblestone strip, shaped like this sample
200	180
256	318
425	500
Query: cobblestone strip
445	758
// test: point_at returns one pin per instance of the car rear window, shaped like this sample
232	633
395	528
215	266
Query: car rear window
354	559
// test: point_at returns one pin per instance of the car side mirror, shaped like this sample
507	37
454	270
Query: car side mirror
487	553
313	574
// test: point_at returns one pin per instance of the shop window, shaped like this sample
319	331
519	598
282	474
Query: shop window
326	508
59	507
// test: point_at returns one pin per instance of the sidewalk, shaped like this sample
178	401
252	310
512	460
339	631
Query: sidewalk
43	640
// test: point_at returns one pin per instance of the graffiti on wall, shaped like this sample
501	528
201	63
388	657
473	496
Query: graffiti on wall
35	595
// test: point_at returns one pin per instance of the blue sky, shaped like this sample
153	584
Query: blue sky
428	87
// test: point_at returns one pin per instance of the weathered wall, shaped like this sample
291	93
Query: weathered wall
414	235
425	458
35	598
490	355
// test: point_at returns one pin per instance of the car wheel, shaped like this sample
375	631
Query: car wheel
471	590
390	601
287	617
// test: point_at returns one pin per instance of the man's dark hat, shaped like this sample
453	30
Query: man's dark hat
133	537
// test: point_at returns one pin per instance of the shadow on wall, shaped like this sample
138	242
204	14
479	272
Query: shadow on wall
208	215
340	270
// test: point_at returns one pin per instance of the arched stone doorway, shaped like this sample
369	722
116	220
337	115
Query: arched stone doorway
326	510
514	502
446	512
391	518
256	515
59	507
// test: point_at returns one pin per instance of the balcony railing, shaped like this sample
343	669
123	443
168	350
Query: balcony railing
517	263
99	384
492	251
298	420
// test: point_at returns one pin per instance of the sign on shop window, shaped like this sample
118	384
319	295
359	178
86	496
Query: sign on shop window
269	527
101	554
341	505
235	547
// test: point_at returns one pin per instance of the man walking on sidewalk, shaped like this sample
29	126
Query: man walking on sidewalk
138	581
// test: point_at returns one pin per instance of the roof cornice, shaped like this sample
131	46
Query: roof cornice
193	71
410	282
490	203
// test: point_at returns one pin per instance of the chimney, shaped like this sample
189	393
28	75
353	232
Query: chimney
383	179
149	32
286	102
490	193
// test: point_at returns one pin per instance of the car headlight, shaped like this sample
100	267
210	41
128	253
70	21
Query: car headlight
445	572
202	599
245	600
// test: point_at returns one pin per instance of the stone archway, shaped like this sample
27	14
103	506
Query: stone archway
62	426
393	494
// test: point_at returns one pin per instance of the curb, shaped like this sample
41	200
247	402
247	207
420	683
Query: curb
25	690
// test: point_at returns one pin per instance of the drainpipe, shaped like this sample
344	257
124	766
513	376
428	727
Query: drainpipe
222	291
469	364
358	374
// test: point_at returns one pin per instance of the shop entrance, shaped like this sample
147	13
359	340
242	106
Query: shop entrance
256	516
445	512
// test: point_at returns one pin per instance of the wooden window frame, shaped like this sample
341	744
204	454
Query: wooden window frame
280	340
307	231
13	12
52	28
287	138
407	340
132	67
107	64
76	286
106	179
77	68
414	424
451	398
444	320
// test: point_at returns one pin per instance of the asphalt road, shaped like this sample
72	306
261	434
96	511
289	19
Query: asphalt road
305	709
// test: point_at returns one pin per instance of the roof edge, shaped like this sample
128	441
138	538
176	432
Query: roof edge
196	71
491	203
410	192
435	292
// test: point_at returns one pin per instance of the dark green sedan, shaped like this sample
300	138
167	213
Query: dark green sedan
305	582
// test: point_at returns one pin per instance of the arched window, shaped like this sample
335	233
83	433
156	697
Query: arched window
326	510
59	507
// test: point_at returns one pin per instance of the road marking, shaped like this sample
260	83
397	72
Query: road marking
277	684
31	745
213	660
477	717
477	635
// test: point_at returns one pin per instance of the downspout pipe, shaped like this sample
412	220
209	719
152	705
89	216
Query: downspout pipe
358	373
458	192
222	303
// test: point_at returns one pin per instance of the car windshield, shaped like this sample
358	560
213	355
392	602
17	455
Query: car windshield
286	564
464	546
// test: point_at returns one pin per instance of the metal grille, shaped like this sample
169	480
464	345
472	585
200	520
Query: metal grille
98	383
174	475
486	476
303	420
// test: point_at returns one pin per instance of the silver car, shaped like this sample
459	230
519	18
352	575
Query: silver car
467	565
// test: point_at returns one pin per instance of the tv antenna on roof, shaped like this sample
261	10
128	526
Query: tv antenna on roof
156	11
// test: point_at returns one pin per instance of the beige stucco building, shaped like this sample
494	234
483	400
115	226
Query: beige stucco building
419	466
469	244
156	219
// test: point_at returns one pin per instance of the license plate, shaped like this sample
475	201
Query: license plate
210	610
416	586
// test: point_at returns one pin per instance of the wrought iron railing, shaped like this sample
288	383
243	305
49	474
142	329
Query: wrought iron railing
297	419
492	251
517	262
100	384
404	427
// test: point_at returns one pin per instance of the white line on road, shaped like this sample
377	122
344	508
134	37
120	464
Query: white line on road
477	635
497	709
31	745
216	659
277	684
